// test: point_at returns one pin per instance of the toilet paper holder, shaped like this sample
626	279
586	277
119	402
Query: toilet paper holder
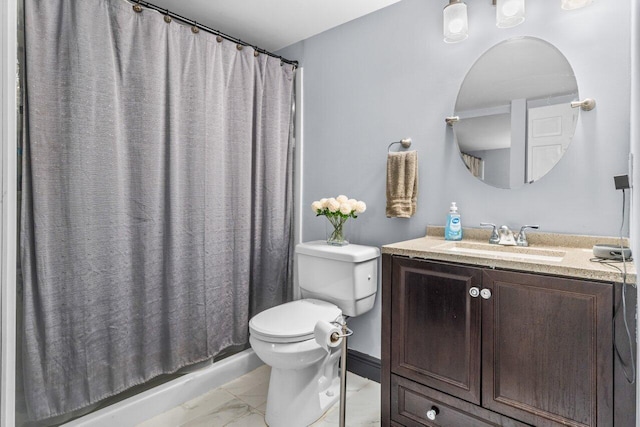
346	332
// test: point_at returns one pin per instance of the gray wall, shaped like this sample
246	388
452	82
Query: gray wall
389	75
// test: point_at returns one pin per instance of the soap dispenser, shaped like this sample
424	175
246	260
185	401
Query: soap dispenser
453	229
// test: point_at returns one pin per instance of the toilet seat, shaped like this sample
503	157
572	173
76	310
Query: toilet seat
293	321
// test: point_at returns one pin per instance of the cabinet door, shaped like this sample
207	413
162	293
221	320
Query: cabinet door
547	349
435	328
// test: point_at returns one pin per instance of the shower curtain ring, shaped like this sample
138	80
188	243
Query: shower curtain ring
194	28
167	18
137	8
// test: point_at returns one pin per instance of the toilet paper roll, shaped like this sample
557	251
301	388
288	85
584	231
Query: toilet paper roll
323	332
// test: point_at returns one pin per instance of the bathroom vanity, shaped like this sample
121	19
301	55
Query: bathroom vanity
483	335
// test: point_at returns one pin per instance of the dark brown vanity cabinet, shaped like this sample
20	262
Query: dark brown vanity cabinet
468	346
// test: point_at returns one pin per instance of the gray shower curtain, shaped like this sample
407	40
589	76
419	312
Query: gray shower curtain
157	198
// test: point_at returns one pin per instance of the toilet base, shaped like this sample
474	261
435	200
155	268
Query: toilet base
297	398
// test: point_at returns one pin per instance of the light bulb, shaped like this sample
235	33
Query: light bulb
510	9
456	26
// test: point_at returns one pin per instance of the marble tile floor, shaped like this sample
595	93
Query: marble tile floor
242	403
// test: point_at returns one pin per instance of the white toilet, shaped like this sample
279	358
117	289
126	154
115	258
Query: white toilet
334	281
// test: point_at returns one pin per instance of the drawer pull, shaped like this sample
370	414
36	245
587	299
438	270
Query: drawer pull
432	413
485	293
474	292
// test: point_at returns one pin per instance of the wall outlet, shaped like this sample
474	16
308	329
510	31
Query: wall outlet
622	182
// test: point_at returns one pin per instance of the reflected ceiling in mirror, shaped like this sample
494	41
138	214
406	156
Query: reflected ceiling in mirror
515	118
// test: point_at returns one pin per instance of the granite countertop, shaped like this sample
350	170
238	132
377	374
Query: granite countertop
555	254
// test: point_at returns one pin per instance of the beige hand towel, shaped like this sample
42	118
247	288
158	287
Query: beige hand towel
402	184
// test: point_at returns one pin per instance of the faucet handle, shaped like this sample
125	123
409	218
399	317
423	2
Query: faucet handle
495	238
521	240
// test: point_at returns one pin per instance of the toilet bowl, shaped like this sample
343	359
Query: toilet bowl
304	379
334	282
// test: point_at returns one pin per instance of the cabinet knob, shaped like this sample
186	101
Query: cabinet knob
474	292
485	293
432	413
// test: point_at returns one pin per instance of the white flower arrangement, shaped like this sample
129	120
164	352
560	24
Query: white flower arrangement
338	210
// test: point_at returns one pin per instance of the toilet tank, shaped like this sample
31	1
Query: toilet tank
346	276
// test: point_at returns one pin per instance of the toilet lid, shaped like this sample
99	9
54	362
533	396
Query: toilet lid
293	321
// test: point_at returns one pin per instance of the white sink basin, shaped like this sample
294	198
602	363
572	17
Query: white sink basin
514	253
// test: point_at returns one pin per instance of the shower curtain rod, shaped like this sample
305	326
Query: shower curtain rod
166	12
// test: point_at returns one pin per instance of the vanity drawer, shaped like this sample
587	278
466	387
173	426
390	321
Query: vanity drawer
411	401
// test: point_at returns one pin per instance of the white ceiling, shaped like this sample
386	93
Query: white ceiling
272	24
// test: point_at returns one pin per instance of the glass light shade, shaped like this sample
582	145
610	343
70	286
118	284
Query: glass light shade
456	24
575	4
509	13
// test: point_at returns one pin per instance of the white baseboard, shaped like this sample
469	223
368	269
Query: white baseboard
148	404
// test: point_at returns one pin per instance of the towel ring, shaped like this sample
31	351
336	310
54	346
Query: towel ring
406	143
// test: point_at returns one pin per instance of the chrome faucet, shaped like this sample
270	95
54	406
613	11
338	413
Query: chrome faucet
522	238
506	237
494	239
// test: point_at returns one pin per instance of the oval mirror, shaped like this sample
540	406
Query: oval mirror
515	116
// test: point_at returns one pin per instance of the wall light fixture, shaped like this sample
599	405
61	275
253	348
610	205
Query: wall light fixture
509	13
455	21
